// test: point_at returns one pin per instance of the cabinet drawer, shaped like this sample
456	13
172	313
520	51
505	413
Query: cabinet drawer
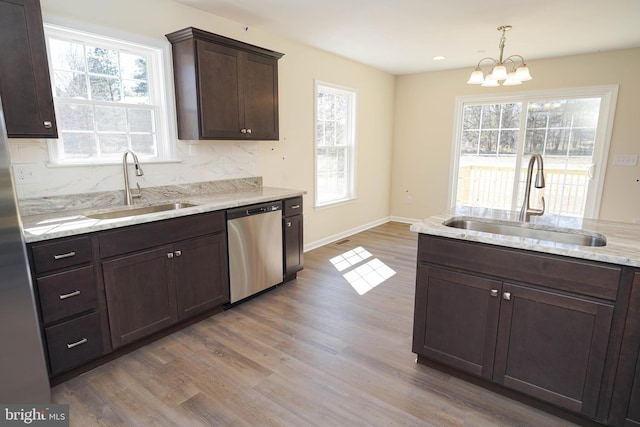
293	206
61	253
67	293
145	236
74	342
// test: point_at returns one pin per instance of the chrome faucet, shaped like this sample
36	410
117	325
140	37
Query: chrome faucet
128	195
526	212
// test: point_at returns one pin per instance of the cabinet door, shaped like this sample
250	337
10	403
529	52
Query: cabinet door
202	278
25	86
220	91
293	245
552	346
260	77
625	405
140	294
456	319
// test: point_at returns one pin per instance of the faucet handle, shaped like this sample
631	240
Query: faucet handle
541	198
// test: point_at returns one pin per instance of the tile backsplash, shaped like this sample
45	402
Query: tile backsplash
196	161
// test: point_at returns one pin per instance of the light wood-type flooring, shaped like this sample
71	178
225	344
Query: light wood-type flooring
312	352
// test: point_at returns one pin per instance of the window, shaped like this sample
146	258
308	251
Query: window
335	144
496	137
109	97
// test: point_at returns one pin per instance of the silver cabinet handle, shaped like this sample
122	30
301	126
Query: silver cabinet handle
288	223
47	124
295	207
170	255
69	295
506	296
77	343
494	292
178	253
63	256
243	131
248	130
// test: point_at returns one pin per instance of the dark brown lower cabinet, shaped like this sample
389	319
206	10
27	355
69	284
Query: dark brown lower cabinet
549	339
456	319
552	346
625	406
201	274
141	294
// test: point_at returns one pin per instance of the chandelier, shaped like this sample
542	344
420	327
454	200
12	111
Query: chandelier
510	71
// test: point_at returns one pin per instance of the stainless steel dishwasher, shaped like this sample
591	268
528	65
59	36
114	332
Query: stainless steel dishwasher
255	248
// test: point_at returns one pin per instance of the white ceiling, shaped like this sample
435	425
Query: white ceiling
402	36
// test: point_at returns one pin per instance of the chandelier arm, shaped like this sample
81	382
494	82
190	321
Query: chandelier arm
514	62
495	61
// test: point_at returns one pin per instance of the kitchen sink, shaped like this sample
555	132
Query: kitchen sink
125	211
518	229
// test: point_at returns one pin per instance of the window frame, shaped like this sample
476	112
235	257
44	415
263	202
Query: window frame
351	148
608	95
159	77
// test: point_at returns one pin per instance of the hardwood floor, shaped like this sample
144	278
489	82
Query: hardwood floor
312	352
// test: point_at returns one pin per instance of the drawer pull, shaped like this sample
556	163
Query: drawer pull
506	296
70	294
63	256
295	207
288	223
77	343
47	124
494	292
178	253
170	255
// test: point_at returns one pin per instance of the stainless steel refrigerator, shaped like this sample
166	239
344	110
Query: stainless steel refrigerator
23	371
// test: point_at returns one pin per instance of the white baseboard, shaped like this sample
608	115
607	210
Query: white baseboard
403	220
345	234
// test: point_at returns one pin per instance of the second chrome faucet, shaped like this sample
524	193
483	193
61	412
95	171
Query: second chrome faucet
526	211
128	195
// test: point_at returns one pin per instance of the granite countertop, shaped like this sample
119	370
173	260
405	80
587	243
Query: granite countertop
623	239
54	223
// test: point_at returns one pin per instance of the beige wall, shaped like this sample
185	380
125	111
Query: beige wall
288	162
424	128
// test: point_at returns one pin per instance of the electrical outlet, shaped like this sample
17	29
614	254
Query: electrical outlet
625	160
25	173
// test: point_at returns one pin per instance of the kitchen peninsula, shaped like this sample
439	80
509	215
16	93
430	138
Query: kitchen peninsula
549	320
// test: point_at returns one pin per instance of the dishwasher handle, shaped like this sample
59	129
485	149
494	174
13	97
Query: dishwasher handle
256	211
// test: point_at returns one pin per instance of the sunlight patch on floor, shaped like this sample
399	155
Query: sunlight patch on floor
362	277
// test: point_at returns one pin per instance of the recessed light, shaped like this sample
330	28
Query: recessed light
438	58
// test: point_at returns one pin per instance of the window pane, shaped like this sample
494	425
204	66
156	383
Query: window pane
75	117
102	61
135	92
79	145
113	143
488	155
111	119
104	89
68	84
66	55
143	144
133	66
140	120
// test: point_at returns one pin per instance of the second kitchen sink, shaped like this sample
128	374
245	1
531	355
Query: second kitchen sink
557	235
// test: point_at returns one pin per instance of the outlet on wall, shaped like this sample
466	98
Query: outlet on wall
25	173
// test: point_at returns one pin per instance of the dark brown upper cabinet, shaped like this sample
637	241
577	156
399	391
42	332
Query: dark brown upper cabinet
25	86
225	89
